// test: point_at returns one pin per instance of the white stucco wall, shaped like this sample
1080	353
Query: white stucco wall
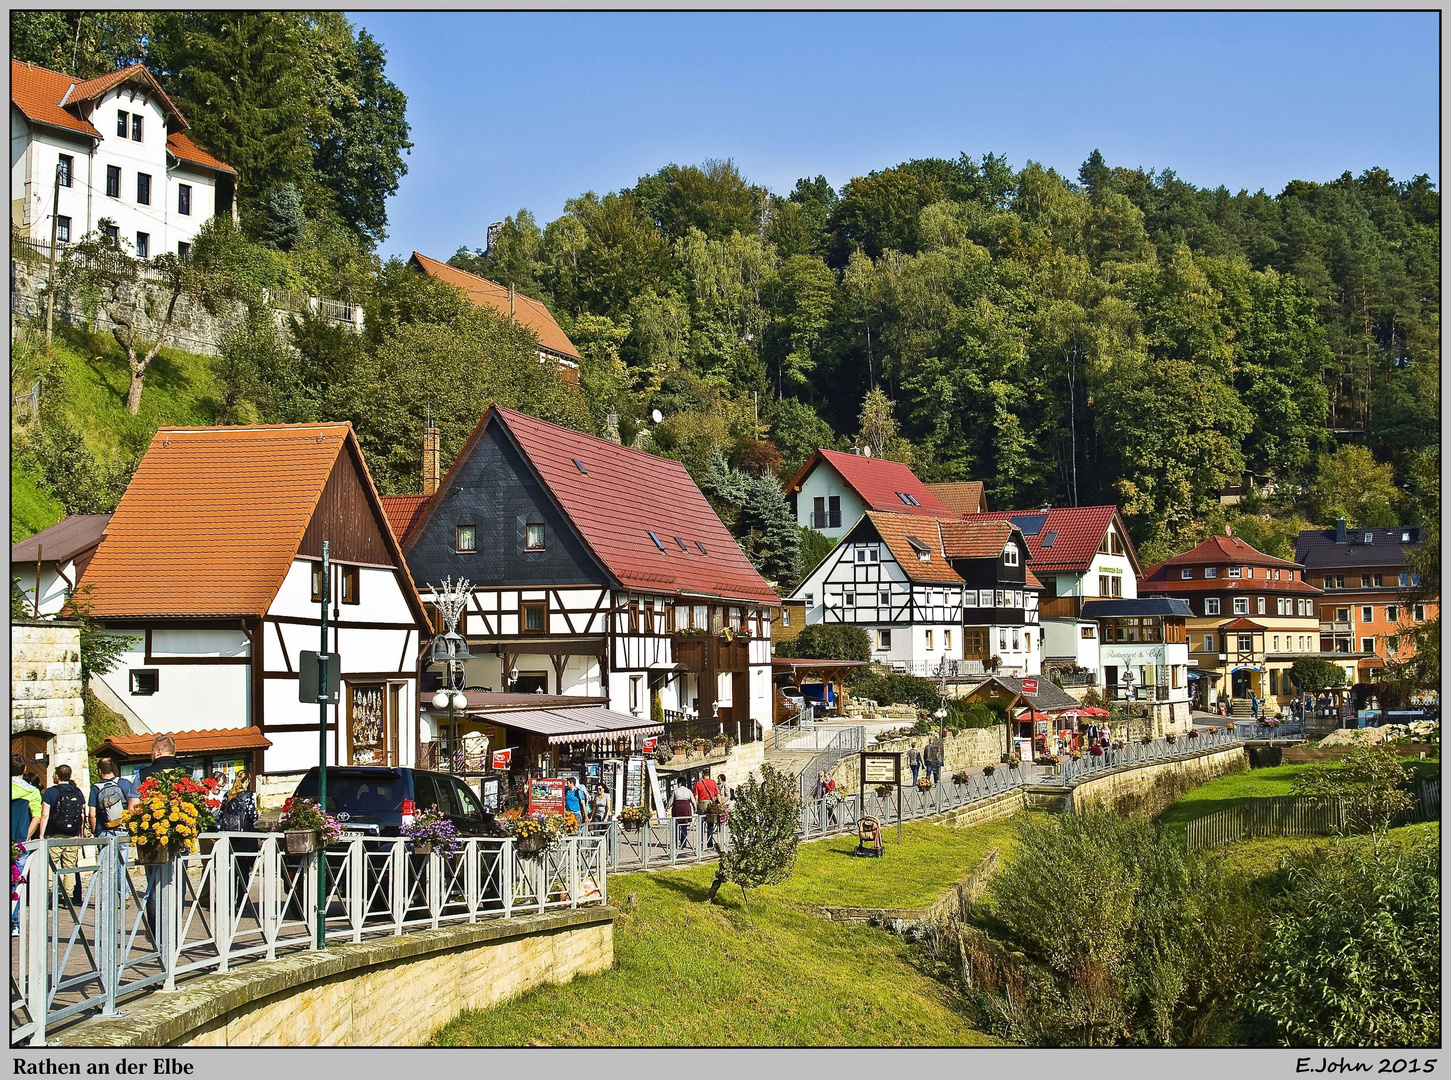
823	482
55	584
188	697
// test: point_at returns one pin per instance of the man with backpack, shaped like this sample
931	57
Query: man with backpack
110	798
63	817
934	758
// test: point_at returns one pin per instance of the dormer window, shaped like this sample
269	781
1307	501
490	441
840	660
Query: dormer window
1233	572
1370	538
1010	555
924	553
534	538
1185	575
1211	571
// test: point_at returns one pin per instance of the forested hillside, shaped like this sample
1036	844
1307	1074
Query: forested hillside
1116	336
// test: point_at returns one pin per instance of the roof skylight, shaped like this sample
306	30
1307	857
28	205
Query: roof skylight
658	544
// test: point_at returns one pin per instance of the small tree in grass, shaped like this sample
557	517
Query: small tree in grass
762	850
1371	785
1313	674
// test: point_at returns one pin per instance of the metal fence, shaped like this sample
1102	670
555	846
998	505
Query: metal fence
1294	815
142	928
1137	752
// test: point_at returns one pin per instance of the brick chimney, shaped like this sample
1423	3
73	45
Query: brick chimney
430	460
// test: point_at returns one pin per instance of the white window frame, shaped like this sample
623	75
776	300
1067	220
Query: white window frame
1010	555
884	640
1241	605
1211	605
1232	572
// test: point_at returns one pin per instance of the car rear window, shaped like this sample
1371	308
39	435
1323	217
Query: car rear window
357	792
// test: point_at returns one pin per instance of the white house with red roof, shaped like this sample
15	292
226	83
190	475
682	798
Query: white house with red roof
55	557
596	570
112	147
833	489
1079	553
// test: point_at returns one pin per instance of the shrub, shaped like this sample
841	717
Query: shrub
1354	950
763	843
1124	935
895	688
821	641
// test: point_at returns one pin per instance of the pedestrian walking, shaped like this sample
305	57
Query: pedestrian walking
707	795
111	796
63	817
601	813
934	758
238	814
25	805
576	801
1254	707
682	808
914	761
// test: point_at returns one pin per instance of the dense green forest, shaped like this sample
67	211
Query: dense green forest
1116	336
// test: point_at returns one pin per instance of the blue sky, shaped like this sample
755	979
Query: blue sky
514	110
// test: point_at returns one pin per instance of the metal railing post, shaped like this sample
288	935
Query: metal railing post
170	905
357	886
271	901
435	886
573	843
307	873
506	875
224	904
473	891
37	875
398	885
107	891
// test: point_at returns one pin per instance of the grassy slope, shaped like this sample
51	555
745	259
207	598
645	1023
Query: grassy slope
1258	860
795	979
180	390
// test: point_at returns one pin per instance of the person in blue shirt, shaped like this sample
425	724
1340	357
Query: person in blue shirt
576	801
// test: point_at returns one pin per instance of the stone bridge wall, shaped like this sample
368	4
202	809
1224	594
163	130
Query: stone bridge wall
45	690
961	750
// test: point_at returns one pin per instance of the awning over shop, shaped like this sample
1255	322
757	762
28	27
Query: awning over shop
188	743
570	724
1246	667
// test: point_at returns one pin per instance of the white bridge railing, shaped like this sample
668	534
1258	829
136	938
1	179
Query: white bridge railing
140	928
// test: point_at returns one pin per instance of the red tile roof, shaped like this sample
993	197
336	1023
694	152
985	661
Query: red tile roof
182	147
1224	550
623	496
62	541
212	519
403	512
877	481
1076	533
976	539
486	293
1241	624
37	92
961	497
897	530
188	743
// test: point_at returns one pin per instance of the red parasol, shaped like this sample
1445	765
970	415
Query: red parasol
1093	710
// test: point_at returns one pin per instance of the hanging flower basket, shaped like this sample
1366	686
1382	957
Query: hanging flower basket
531	844
425	848
634	818
302	841
988	770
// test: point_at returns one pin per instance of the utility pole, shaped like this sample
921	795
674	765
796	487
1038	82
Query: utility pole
50	277
322	696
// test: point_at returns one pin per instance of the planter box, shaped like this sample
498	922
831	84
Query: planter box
301	841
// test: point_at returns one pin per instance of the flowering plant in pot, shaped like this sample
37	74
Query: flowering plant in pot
560	823
634	817
1146	740
431	829
1169	736
698	744
1014	760
960	777
884	790
681	748
924	783
172	813
1213	730
1076	755
306	826
1193	734
1096	750
527	829
988	770
1229	725
1118	744
663	755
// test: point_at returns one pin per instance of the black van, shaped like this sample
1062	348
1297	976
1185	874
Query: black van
374	799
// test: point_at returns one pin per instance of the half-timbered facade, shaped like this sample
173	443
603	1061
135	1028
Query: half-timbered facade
210	568
595	570
1000	597
890	574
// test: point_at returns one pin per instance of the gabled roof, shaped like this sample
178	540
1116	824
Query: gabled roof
182	147
62	541
491	294
1049	698
1317	549
962	497
977	539
622	496
37	92
880	483
52	98
1223	551
1065	537
403	512
213	517
908	537
1242	624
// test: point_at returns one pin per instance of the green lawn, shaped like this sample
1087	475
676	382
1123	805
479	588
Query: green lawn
1230	791
1259	859
688	973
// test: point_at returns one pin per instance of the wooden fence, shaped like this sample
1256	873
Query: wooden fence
1290	815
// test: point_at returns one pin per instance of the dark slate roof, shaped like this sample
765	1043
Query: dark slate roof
1318	549
1147	605
63	540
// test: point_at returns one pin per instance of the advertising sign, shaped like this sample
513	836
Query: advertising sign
650	744
1030	686
634	794
501	758
546	794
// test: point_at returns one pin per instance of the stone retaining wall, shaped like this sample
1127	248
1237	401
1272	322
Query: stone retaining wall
1151	788
393	991
45	690
961	750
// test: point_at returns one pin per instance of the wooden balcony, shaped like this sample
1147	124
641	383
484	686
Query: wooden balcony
706	653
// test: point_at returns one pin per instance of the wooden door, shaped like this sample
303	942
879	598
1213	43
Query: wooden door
367	724
395	714
34	749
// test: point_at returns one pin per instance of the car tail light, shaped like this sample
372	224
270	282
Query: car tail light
408	808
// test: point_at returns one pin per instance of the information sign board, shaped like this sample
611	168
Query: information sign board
546	793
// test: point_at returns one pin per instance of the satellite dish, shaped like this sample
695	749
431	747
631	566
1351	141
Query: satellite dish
656	415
